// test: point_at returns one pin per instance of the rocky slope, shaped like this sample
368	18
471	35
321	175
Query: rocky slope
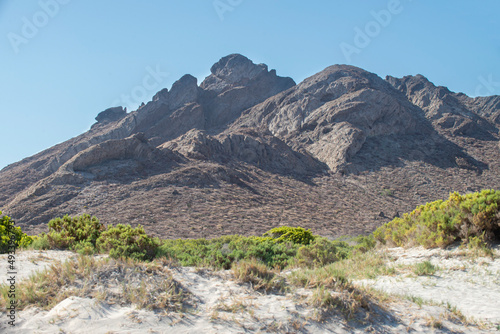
246	150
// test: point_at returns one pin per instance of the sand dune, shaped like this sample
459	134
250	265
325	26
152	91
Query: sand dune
221	305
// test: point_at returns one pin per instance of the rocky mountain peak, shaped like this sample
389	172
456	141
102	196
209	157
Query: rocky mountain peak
234	70
445	109
183	91
111	114
246	138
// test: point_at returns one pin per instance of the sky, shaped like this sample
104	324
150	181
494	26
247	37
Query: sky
64	61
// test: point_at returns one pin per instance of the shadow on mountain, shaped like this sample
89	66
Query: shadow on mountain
428	147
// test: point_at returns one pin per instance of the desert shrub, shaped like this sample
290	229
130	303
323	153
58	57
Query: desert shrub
320	252
8	231
66	232
84	248
197	252
440	223
221	252
364	243
40	242
297	235
276	248
125	241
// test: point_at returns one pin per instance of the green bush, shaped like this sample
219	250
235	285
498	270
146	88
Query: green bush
297	235
125	241
222	252
67	232
8	231
319	253
440	223
40	242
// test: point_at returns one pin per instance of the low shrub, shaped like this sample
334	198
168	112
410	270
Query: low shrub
221	252
40	242
296	235
440	223
125	241
319	253
66	232
10	232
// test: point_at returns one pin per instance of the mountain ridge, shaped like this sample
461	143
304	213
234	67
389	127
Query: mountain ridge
246	150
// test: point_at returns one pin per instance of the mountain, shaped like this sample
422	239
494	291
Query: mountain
247	150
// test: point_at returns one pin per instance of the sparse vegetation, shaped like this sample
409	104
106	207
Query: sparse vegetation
258	275
424	268
148	285
326	266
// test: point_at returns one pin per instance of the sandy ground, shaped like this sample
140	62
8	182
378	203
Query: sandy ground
224	306
472	285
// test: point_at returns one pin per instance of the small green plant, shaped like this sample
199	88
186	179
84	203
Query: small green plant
125	241
417	300
478	246
386	192
424	268
10	232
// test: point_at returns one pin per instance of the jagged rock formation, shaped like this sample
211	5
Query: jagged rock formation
445	109
247	150
111	114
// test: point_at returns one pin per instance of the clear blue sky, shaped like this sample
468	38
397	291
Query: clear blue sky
61	65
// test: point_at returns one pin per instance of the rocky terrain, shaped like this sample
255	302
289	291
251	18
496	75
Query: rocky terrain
341	153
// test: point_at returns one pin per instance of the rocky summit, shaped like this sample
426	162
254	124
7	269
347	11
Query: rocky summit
245	150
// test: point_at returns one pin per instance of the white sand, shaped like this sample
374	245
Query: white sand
224	306
472	285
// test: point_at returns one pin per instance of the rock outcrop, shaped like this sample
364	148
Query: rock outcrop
445	109
111	114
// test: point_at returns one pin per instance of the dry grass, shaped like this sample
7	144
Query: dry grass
124	281
360	265
258	275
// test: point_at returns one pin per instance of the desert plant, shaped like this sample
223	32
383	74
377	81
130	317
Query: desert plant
40	242
319	253
424	268
11	235
297	235
440	223
66	232
125	241
221	253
